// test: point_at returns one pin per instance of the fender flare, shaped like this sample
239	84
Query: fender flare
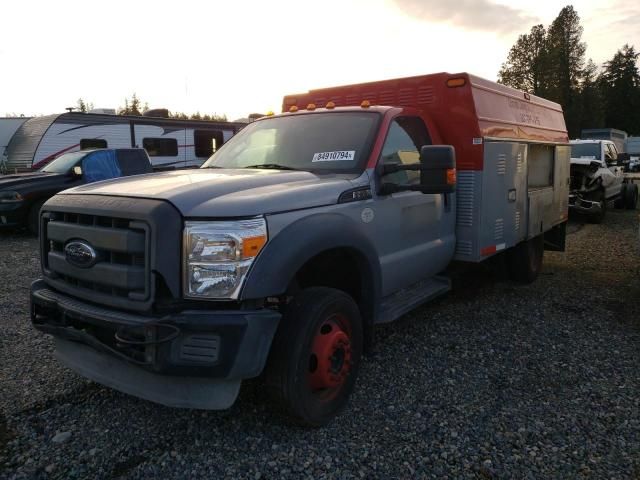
296	244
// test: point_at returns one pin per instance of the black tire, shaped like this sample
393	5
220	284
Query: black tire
317	319
524	261
631	196
621	202
33	219
599	217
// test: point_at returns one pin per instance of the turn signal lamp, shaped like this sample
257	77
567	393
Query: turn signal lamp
451	176
365	104
330	105
456	82
270	113
311	106
293	108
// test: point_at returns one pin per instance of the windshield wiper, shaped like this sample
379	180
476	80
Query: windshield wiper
274	166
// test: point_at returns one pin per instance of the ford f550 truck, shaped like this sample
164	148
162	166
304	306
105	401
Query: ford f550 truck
278	256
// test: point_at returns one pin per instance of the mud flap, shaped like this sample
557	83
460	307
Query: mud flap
555	239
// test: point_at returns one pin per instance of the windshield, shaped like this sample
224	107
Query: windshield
586	150
64	163
332	142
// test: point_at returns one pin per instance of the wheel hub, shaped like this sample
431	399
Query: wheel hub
330	360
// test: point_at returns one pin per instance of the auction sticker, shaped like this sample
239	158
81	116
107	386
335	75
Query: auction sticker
334	156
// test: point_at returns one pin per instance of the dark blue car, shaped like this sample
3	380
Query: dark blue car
22	194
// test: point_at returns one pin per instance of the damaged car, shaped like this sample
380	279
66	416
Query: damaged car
597	179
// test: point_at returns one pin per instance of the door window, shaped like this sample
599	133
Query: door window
207	142
406	137
609	154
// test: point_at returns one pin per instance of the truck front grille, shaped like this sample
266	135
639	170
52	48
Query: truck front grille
121	268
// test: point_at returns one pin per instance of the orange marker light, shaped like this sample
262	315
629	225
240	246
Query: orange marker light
365	104
251	246
270	113
311	106
451	176
330	105
293	108
456	82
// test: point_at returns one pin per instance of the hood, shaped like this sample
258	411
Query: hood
227	193
26	180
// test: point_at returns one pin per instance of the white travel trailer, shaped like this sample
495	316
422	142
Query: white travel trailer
170	143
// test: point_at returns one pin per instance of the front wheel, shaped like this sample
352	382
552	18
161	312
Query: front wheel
315	356
525	260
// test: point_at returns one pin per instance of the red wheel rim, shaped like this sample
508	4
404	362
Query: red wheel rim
330	357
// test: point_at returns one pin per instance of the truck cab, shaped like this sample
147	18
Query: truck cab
278	256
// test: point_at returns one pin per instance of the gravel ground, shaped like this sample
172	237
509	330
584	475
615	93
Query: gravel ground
492	381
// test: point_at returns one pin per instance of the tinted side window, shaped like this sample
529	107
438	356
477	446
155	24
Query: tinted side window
87	143
405	138
133	162
207	141
160	147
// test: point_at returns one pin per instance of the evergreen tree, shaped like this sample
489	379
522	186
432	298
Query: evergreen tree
566	62
621	90
591	102
527	63
131	107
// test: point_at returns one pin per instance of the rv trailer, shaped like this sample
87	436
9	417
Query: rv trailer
170	143
8	126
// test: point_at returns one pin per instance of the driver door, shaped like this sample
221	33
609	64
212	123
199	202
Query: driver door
412	240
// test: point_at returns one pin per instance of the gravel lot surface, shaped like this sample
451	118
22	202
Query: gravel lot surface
492	381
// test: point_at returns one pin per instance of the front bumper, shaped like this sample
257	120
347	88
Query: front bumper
194	359
13	214
581	205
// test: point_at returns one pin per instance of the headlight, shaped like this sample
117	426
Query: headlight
10	197
217	256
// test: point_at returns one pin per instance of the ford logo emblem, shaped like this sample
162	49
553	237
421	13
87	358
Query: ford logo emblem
80	254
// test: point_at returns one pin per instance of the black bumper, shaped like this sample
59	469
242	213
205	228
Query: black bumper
222	344
13	214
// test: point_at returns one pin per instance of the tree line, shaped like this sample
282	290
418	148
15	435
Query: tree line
135	106
551	63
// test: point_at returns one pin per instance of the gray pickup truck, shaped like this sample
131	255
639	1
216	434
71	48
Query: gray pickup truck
280	254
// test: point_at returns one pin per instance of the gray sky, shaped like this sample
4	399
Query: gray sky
237	57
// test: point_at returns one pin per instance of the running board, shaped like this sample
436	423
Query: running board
396	305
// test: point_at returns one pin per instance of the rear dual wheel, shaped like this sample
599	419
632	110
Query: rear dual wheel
630	196
525	260
315	356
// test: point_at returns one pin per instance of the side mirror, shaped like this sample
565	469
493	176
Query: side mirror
76	172
438	172
437	169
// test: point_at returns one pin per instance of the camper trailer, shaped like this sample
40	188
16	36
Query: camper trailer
8	127
170	143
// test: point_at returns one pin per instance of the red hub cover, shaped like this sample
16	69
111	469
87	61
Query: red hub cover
330	359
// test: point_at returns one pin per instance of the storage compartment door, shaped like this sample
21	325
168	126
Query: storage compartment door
504	196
